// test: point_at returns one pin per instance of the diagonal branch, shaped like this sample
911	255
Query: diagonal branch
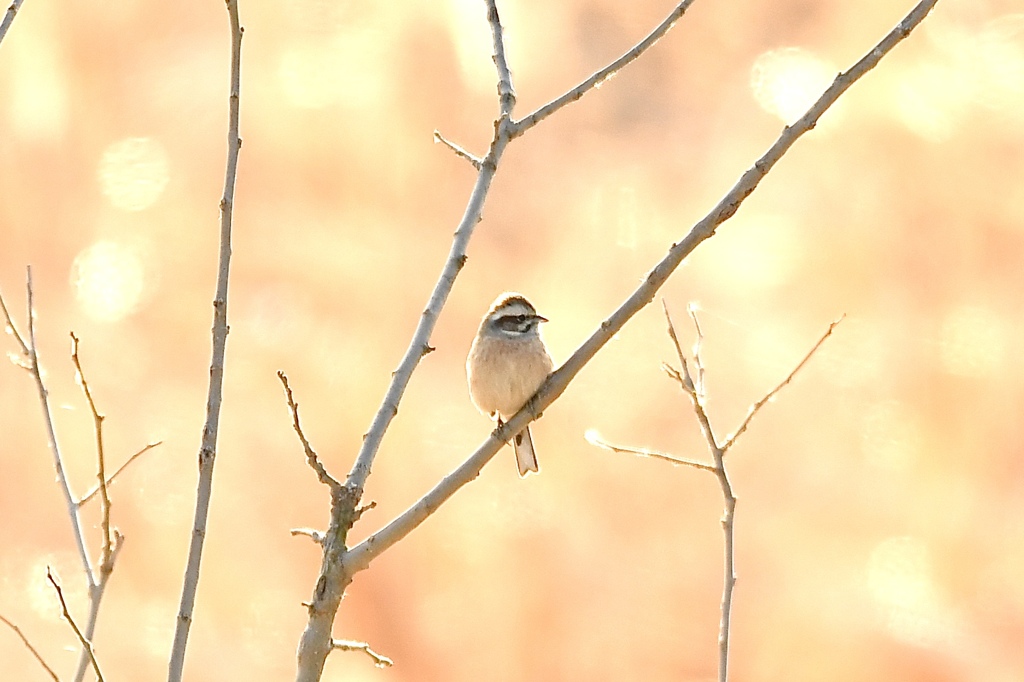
32	650
595	80
9	17
756	407
379	660
360	556
419	346
83	640
459	151
311	456
110	479
30	362
208	446
594	439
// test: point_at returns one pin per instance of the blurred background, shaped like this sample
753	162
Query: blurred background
880	524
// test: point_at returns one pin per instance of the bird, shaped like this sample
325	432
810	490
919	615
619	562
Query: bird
507	363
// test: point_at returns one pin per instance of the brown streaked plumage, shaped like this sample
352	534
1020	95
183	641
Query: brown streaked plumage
507	364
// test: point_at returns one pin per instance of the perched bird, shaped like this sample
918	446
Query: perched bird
507	364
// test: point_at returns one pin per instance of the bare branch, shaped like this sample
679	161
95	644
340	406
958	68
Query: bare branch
459	151
110	479
31	363
755	408
419	346
86	644
311	456
32	649
594	438
208	446
13	330
506	93
361	555
718	455
352	645
316	536
9	17
101	475
698	361
112	539
595	81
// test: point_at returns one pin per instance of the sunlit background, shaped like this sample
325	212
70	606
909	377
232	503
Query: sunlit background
880	524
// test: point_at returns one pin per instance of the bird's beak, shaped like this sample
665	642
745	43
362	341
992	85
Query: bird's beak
540	318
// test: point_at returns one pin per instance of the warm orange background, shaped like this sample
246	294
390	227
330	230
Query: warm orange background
880	523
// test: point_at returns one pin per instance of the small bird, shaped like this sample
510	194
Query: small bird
507	364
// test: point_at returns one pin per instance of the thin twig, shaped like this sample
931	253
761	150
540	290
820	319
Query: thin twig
311	456
351	645
595	81
110	479
728	516
30	362
32	649
101	473
729	441
313	534
83	640
9	325
9	18
594	439
459	151
506	93
208	446
112	539
360	556
420	346
698	343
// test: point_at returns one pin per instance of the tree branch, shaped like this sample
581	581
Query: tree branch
30	362
208	446
360	556
597	79
351	645
83	640
756	407
594	438
459	151
32	649
9	18
112	540
110	479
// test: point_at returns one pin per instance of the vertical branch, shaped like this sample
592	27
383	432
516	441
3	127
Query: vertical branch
101	474
9	18
420	344
112	541
30	362
696	392
208	447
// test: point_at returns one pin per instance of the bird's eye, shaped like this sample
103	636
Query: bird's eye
520	318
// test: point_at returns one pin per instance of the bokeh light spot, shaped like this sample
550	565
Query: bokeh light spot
788	80
344	70
108	280
899	576
38	97
133	173
973	342
763	252
891	436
